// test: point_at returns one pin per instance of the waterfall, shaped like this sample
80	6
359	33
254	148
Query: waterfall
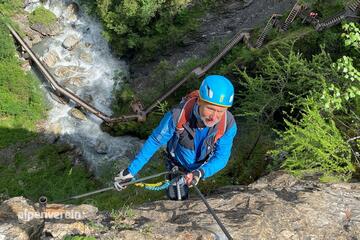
90	71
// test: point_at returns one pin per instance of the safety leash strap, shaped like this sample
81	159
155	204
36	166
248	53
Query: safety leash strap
227	234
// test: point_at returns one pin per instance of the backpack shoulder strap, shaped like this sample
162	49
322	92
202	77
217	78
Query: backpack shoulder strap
225	123
188	103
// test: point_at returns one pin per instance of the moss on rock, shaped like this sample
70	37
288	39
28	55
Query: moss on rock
41	15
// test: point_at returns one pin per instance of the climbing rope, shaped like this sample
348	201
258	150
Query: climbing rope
156	186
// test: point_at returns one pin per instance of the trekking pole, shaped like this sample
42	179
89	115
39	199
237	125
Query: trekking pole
111	188
212	211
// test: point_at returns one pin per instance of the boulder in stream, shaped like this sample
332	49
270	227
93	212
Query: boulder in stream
101	147
48	30
75	81
76	113
68	71
70	42
71	12
86	57
50	58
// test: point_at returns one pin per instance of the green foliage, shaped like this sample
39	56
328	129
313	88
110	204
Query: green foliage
282	77
327	8
7	50
10	7
314	145
162	108
43	171
43	16
347	87
138	129
21	102
147	27
351	35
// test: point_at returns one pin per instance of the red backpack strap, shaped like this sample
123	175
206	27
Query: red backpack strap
186	112
193	94
221	127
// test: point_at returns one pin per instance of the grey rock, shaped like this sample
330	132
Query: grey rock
75	81
70	42
86	57
48	30
50	58
71	12
76	113
101	147
68	71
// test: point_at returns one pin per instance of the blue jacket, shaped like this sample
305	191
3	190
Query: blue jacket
201	156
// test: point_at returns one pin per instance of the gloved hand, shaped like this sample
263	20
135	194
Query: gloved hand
123	177
194	177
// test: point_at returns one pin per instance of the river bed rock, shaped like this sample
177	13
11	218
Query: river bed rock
71	12
68	71
48	30
70	42
100	147
31	36
86	57
50	58
76	113
75	81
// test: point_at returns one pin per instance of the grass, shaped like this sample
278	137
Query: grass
43	171
10	7
42	16
21	101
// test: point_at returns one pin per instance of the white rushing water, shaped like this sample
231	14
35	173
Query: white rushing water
96	80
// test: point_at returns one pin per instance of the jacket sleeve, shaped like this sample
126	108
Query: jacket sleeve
221	155
160	136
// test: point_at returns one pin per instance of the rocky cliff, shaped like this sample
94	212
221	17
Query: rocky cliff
277	206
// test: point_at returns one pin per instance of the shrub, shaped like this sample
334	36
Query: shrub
314	145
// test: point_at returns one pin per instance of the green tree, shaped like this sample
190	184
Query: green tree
314	145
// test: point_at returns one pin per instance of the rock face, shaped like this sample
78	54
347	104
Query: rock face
277	206
20	219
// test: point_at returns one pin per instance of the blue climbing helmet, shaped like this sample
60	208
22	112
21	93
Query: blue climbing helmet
218	90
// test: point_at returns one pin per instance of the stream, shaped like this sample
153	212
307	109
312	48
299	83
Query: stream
81	60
